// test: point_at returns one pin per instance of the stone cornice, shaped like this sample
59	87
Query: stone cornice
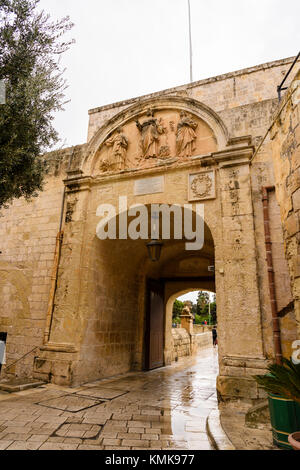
78	183
59	347
232	156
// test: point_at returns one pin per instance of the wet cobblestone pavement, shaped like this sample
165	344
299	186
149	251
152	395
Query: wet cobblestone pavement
162	409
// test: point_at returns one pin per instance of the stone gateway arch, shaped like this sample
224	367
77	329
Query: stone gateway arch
101	307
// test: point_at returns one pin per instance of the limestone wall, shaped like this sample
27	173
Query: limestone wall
276	162
285	135
181	342
28	232
262	175
185	344
202	340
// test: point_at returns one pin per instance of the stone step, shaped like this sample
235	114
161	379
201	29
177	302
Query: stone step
18	385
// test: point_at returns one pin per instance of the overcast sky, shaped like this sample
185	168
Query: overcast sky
127	48
193	296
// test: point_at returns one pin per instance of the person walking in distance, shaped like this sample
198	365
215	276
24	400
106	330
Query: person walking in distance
215	336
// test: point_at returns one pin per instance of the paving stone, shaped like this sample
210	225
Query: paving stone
37	438
5	444
122	423
90	447
17	430
90	434
90	420
115	428
122	416
94	442
72	440
137	430
135	443
129	435
118	448
74	433
139	424
101	392
151	412
24	445
17	437
50	420
56	439
163	443
58	446
153	430
146	418
109	434
111	442
74	419
151	437
36	426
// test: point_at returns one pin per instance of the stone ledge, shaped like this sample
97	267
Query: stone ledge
59	347
215	432
248	362
20	385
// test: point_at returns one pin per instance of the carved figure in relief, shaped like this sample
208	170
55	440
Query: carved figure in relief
116	159
150	132
186	135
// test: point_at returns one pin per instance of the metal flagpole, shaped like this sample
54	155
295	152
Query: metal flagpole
191	50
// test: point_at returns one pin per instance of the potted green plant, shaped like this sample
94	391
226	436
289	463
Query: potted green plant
282	383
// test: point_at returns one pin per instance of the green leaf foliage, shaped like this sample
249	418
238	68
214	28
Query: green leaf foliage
30	46
283	380
177	308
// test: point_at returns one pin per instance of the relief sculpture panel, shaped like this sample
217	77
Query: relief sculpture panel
153	137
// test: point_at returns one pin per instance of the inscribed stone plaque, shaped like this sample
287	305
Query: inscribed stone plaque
202	186
149	186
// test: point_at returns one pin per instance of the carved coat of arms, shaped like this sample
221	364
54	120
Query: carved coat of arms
202	186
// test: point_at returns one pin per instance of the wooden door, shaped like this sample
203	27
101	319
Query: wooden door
155	326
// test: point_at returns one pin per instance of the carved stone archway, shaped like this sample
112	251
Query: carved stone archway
90	275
